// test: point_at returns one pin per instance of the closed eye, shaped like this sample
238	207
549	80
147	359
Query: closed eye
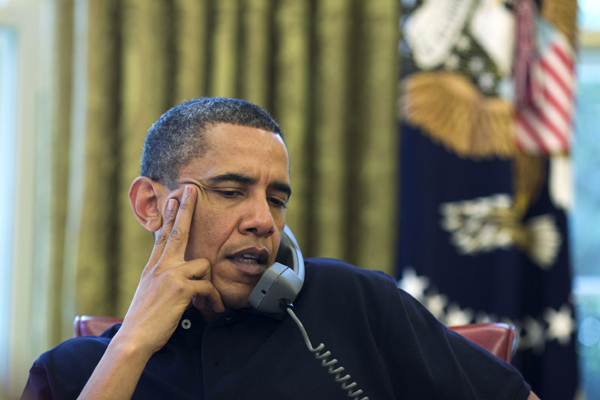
277	202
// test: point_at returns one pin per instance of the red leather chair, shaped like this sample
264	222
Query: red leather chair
498	339
93	326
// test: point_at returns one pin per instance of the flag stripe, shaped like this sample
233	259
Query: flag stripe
565	100
527	127
558	134
555	60
555	113
561	52
557	106
563	125
547	139
557	78
525	143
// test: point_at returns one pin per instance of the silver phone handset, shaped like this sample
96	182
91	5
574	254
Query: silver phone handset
282	280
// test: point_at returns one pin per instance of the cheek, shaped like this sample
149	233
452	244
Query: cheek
209	231
201	230
279	217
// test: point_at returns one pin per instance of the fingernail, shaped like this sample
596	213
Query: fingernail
187	191
170	205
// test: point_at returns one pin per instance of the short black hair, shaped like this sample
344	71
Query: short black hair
178	137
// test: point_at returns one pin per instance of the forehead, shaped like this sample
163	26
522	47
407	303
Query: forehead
241	149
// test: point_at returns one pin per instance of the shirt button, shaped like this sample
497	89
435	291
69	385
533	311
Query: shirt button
186	324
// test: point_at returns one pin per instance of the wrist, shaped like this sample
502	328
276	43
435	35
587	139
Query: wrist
119	370
129	348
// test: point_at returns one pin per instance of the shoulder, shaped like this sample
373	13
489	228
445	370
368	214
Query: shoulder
339	277
342	278
373	293
339	284
341	272
82	346
75	352
62	372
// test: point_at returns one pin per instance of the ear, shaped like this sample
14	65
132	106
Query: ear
145	199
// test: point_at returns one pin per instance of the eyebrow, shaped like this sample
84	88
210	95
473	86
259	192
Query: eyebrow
241	178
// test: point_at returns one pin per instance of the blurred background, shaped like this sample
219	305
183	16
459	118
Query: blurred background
81	81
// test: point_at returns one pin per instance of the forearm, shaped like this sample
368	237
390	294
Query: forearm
532	396
118	372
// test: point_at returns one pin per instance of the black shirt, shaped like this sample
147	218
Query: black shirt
392	347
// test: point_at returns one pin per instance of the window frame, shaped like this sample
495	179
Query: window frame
586	287
31	21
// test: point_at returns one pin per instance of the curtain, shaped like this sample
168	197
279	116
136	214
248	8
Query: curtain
326	70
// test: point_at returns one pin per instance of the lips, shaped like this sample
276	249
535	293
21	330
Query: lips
251	261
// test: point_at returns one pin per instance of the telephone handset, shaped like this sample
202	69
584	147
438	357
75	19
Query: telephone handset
281	281
278	288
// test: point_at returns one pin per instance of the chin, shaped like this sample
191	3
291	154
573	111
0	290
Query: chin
235	299
237	304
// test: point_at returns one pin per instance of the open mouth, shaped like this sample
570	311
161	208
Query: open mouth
247	258
251	261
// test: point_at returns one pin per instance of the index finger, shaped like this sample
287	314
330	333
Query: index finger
180	232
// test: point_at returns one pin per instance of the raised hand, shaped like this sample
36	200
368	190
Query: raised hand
169	283
167	287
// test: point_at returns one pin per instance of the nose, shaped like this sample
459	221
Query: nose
258	219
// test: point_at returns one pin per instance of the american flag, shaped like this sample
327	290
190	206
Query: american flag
544	125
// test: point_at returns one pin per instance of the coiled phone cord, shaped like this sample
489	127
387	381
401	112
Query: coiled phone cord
323	357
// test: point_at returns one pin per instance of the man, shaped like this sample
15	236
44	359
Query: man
214	186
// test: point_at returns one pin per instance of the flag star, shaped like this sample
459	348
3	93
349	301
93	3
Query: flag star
452	62
486	81
510	322
413	284
477	65
456	316
484	318
436	304
515	323
534	338
560	324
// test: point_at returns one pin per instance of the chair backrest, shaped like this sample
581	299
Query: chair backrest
93	326
498	339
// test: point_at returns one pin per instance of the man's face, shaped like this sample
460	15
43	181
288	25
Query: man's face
238	221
